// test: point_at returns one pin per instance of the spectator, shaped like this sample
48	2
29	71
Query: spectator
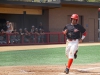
7	23
21	31
26	36
13	37
3	37
2	31
17	36
15	31
40	26
9	27
20	35
4	27
41	31
33	29
37	35
32	32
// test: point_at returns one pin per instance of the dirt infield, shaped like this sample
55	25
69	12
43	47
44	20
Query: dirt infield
9	48
91	69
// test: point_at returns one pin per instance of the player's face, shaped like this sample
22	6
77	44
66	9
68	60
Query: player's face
74	21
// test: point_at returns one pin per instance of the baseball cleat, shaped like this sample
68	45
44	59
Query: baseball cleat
75	55
66	71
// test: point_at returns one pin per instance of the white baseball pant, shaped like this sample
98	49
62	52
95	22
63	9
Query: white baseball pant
71	48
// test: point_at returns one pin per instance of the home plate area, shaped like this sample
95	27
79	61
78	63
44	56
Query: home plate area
50	70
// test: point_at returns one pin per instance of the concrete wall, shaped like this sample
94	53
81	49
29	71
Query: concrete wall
58	18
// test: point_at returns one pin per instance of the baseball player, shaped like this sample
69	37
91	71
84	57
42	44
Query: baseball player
75	33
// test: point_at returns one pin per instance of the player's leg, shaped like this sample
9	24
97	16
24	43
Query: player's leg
67	52
75	54
71	57
67	49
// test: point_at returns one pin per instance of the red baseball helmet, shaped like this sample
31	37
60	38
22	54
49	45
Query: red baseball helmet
75	16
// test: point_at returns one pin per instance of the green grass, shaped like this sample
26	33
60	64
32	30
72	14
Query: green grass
52	56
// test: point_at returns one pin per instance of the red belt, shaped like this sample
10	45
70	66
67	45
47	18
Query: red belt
72	39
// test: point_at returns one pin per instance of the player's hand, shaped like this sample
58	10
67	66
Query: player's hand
80	41
64	32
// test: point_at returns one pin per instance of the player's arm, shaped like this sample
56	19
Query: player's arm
65	30
83	31
83	35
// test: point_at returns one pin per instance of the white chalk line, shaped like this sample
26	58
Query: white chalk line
23	71
87	69
65	73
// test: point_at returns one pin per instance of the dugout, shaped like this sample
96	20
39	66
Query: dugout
54	15
24	13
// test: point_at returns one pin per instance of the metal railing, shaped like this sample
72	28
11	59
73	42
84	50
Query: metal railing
84	0
39	1
45	1
32	39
